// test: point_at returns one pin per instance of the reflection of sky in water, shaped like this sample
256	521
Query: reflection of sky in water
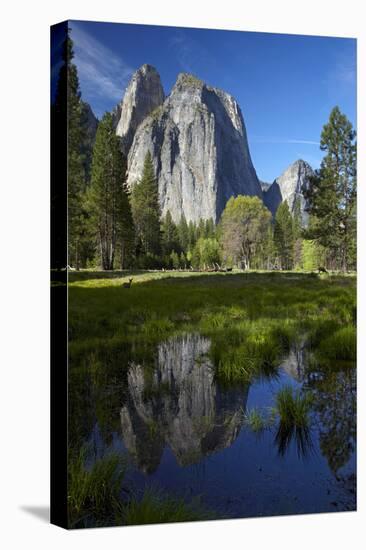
186	435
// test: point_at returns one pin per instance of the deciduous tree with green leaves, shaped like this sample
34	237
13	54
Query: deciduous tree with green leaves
206	253
243	229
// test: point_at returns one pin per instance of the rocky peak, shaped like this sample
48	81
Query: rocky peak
144	93
289	187
265	185
198	143
187	80
294	180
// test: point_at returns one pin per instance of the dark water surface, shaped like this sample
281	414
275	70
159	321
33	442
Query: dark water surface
187	435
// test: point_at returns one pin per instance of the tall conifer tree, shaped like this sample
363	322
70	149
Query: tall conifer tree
106	198
146	210
170	237
333	192
283	236
68	87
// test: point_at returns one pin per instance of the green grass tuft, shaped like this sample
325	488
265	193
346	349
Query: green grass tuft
293	407
93	495
154	507
255	420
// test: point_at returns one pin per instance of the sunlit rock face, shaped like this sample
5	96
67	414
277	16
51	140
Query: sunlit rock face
198	142
179	406
289	187
144	93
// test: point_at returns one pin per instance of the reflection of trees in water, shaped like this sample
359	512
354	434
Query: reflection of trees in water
333	390
96	387
180	405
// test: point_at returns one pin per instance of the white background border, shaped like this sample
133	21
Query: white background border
24	263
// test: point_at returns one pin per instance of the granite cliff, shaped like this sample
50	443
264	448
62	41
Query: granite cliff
289	187
197	139
143	94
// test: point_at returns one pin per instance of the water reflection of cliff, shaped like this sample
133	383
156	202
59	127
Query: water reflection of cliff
179	405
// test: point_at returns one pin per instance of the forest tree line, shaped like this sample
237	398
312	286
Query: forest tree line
114	227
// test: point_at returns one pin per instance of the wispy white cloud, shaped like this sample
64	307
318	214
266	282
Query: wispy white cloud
263	139
303	142
191	55
103	75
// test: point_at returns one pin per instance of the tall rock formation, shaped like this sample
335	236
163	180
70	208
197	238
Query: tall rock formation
198	143
143	94
289	187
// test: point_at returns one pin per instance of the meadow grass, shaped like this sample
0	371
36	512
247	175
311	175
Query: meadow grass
251	318
341	345
94	494
155	507
94	497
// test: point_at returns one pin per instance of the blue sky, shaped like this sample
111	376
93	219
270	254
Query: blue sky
286	85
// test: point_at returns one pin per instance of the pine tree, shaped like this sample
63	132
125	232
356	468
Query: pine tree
283	236
169	235
174	259
209	228
106	198
183	233
201	229
146	210
192	235
268	250
183	261
333	192
68	86
126	233
297	233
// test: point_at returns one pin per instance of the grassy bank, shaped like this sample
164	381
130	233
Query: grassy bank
95	498
252	318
